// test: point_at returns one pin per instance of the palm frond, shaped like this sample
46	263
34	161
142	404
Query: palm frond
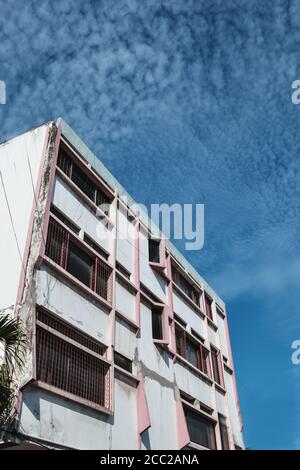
13	338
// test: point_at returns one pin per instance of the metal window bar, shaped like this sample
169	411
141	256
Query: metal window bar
102	280
57	243
102	201
67	367
67	330
208	307
57	249
65	163
203	362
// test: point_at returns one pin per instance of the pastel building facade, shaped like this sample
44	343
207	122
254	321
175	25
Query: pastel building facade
128	346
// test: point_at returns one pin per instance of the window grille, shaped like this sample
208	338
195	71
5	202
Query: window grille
194	352
65	364
68	254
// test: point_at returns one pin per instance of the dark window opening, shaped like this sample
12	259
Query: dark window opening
192	352
154	250
82	181
87	268
64	162
95	246
79	264
224	432
65	220
187	287
216	359
208	307
157	324
201	429
195	353
123	362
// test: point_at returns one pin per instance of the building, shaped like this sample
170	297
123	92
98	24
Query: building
128	345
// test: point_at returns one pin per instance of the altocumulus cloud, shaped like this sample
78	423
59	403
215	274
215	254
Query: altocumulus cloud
125	74
200	88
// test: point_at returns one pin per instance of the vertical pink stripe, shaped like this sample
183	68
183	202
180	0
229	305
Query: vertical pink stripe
234	377
183	437
137	274
143	416
172	339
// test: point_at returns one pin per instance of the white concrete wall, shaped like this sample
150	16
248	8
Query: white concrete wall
16	176
47	416
125	241
125	301
183	309
162	410
213	336
235	422
222	336
159	388
125	339
73	307
221	403
124	430
151	355
191	383
149	277
69	203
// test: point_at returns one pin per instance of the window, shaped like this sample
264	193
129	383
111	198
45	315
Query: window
201	429
123	362
208	308
194	352
87	268
157	325
65	220
224	432
154	250
79	264
95	246
186	286
71	362
216	359
83	182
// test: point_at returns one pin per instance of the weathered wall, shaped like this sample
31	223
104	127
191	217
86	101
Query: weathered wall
69	203
20	160
125	241
79	310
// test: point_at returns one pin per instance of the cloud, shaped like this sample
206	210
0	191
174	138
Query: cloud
191	97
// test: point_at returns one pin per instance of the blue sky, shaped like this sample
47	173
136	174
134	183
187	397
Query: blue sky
189	101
